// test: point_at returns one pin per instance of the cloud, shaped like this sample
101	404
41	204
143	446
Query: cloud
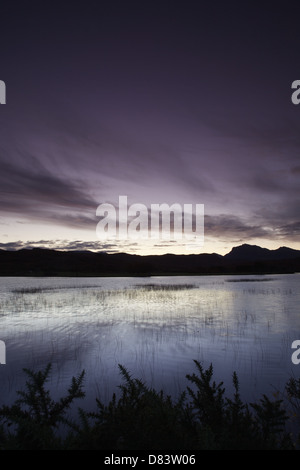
231	227
30	190
12	246
35	183
295	170
267	225
67	245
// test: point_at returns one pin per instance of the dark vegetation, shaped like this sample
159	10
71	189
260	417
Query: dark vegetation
141	418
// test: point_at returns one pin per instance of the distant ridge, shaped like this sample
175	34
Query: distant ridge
254	252
243	259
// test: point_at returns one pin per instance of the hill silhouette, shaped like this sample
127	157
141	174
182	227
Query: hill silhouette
243	259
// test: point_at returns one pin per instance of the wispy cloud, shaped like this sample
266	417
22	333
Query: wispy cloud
30	190
67	245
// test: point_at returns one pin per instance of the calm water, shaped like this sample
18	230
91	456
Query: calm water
155	327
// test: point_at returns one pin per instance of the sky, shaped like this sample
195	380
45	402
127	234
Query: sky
163	102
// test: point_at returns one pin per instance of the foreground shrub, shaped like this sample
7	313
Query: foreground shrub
33	420
224	423
145	419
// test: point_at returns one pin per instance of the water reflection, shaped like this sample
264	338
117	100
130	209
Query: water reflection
154	326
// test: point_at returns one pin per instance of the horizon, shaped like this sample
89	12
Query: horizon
194	104
29	248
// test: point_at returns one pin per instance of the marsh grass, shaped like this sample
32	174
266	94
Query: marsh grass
265	279
38	290
155	328
165	287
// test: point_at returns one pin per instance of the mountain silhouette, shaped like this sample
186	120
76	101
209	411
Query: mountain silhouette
243	259
253	252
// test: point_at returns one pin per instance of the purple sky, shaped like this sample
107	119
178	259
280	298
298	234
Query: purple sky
163	102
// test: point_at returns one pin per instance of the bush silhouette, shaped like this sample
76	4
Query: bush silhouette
202	418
